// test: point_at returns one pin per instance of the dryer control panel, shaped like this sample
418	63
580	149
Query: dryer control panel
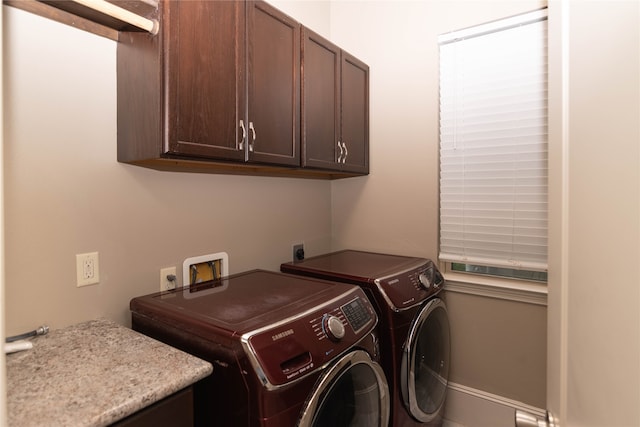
411	287
295	347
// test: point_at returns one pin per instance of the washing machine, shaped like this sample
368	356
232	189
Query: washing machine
286	350
414	327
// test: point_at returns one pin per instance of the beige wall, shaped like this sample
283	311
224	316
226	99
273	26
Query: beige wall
3	374
594	303
498	346
66	194
314	14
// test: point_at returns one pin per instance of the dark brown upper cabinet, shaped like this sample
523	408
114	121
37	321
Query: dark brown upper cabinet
219	89
335	107
274	86
221	82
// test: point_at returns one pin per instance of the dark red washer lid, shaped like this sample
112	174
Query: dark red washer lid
240	302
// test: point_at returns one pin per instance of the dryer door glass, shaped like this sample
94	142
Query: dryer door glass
425	364
352	393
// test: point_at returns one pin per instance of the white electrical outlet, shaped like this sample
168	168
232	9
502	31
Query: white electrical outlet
165	283
87	269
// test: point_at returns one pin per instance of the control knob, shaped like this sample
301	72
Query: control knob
333	327
426	279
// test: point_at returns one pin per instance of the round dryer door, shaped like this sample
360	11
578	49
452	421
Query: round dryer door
425	362
352	392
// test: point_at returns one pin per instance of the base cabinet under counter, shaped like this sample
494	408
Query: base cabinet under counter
175	411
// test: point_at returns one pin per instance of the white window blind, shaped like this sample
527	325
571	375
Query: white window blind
493	143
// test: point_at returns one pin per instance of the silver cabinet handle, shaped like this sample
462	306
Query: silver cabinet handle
244	136
253	132
342	157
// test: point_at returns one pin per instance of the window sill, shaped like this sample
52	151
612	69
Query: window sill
492	287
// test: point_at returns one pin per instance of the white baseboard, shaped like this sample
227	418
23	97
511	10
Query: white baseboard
469	407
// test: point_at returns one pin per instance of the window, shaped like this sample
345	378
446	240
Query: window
493	148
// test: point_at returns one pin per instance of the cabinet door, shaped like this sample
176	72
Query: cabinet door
274	86
320	101
175	411
205	78
355	114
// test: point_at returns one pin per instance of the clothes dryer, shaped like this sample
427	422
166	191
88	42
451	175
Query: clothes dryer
286	350
414	327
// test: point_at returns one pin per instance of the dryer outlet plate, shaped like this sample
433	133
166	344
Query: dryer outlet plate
298	252
204	267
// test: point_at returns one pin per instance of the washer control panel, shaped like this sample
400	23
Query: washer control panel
357	314
409	288
300	345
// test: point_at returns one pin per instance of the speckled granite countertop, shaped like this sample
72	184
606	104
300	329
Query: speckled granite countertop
93	374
